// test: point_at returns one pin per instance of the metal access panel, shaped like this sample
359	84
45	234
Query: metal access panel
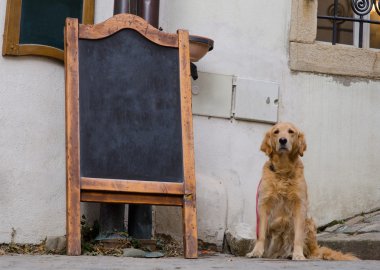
212	95
256	100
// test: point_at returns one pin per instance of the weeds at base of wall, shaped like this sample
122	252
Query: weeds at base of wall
29	249
90	247
115	247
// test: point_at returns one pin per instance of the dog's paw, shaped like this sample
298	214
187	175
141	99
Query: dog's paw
298	257
257	252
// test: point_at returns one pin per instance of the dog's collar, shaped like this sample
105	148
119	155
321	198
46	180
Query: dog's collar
271	167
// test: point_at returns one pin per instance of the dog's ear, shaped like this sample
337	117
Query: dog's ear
301	143
266	145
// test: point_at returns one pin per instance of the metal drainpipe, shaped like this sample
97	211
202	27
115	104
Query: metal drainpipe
111	217
149	10
140	216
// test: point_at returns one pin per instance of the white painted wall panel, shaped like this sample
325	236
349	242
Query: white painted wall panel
212	95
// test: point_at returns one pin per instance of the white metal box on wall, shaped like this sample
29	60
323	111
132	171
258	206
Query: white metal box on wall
256	100
227	96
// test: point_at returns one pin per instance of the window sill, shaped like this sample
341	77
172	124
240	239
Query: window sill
322	57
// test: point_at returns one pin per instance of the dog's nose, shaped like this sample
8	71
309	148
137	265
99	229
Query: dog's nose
283	141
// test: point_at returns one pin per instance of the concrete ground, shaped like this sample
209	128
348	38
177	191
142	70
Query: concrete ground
48	262
360	235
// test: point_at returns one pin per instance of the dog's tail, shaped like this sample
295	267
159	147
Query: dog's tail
326	253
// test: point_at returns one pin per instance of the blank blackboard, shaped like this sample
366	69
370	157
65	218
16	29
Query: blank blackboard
35	27
130	109
42	21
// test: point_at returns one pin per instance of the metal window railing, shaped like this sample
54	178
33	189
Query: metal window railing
359	7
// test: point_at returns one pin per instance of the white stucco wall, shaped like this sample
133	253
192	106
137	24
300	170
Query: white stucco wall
32	147
338	115
341	119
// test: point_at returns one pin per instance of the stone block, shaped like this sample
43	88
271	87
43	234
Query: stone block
155	254
56	244
366	246
373	218
333	228
353	229
365	250
354	220
332	237
372	227
133	252
303	27
240	239
340	59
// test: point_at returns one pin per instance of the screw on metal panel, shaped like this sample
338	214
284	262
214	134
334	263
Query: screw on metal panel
234	80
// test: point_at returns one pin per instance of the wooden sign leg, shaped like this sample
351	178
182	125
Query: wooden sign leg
190	233
72	139
73	223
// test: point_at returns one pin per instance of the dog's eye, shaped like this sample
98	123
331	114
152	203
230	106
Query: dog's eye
276	131
291	131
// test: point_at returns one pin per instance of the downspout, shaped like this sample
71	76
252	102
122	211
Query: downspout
112	216
140	216
149	10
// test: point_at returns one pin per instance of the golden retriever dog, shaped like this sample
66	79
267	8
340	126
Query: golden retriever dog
284	228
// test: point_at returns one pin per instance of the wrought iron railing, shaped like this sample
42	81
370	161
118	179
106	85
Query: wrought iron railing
359	7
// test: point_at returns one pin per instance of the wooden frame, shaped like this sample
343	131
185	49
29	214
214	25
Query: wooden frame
11	45
127	191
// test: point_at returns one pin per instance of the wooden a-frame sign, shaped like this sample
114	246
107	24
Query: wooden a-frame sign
129	133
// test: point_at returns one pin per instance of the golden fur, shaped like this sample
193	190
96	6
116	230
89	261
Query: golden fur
285	231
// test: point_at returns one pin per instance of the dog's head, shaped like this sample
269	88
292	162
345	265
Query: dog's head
284	139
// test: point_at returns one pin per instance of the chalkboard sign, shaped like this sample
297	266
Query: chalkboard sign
35	27
128	120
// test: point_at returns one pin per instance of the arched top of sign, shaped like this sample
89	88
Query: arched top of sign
120	22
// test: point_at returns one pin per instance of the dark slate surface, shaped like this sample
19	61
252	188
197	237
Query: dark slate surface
43	21
130	114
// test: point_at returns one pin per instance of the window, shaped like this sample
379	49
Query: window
312	35
352	22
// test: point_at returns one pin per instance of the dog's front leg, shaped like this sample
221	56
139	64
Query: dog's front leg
258	250
299	234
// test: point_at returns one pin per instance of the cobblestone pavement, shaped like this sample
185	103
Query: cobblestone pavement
214	262
359	235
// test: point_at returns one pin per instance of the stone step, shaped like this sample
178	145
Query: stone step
366	246
359	235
